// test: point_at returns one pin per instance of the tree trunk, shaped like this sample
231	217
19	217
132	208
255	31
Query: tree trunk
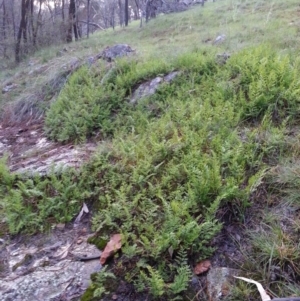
72	22
88	19
126	8
77	30
63	10
147	9
136	10
121	13
12	3
31	20
26	21
4	28
150	9
112	19
38	23
22	28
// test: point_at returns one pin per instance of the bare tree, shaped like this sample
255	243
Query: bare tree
22	29
88	19
121	14
63	10
126	11
72	22
35	27
26	25
4	22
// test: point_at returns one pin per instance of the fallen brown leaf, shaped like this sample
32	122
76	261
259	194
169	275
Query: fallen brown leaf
202	267
111	248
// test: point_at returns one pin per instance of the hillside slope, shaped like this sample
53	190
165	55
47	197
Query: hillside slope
206	168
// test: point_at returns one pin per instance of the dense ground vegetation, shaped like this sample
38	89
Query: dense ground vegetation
214	138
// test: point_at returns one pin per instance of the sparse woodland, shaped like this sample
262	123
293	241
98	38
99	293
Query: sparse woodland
28	25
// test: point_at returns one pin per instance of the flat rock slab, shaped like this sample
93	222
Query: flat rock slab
47	268
30	152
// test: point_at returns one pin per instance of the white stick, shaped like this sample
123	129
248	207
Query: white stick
263	294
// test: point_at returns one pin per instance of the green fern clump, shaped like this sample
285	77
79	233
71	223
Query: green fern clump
173	160
162	183
32	205
81	107
264	82
157	281
6	177
93	98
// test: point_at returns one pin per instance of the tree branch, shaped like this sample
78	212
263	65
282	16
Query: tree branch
93	24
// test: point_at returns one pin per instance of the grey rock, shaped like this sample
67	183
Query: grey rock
50	273
171	76
187	2
2	146
173	7
149	88
8	88
111	53
38	70
45	156
218	282
220	39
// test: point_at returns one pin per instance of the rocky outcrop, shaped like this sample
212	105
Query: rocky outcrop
111	53
30	152
172	7
149	88
47	267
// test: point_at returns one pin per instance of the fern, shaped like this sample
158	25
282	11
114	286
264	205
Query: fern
154	282
181	280
172	161
100	282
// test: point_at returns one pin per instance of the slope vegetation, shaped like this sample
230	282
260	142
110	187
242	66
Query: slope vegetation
217	146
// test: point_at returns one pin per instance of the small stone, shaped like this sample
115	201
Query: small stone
79	241
60	226
114	297
219	39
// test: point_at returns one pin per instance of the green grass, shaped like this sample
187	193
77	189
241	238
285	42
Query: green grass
219	136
